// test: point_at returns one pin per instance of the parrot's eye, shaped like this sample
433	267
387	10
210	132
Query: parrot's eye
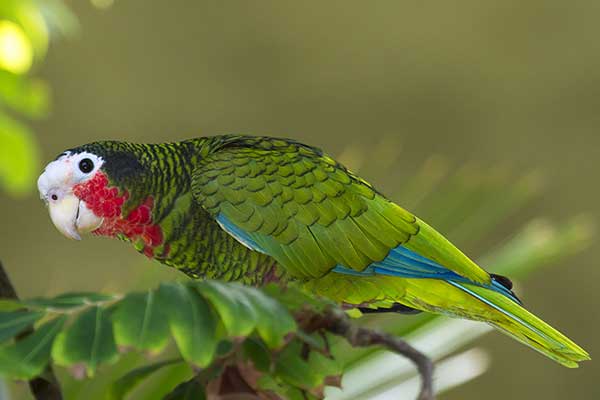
86	165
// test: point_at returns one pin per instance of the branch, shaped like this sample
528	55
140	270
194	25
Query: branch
42	387
337	322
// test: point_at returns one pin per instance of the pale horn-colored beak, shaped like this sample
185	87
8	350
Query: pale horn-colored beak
63	213
71	216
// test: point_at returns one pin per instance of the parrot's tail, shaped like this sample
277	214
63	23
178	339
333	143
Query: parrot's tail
474	302
525	327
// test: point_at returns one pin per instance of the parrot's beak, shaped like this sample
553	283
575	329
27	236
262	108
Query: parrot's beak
71	217
63	213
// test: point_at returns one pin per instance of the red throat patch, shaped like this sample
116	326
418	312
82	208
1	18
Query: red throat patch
105	202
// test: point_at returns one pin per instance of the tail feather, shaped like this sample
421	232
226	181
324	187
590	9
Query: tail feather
517	322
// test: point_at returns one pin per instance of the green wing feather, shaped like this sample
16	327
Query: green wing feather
310	213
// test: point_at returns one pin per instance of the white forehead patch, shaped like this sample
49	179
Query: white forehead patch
64	172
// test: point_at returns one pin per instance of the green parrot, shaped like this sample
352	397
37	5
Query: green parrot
261	209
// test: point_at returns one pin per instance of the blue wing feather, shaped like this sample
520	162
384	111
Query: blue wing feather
400	262
239	234
405	263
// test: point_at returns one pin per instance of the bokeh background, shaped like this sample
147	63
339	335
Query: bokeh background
500	83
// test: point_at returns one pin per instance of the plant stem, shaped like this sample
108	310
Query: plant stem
337	322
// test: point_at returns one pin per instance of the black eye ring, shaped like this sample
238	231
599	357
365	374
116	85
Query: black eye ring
86	165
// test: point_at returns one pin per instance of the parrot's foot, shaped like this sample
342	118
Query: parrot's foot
396	308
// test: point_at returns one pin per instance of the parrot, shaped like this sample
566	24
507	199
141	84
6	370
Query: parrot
258	209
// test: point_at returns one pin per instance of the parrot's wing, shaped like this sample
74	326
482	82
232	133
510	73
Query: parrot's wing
311	214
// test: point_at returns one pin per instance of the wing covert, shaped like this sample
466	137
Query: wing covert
301	207
310	213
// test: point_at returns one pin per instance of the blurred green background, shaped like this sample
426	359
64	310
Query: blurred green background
503	83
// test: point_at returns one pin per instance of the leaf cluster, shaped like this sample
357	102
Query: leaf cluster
223	331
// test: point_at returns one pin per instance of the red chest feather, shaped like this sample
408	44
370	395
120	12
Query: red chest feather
105	202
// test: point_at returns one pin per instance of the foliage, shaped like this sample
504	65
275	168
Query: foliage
25	30
219	329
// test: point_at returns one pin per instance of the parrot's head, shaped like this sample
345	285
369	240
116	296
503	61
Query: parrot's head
59	183
84	191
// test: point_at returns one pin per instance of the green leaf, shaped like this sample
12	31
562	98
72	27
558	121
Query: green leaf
11	323
164	381
28	357
325	366
270	383
233	306
18	58
192	322
307	374
69	301
294	370
88	340
29	18
125	384
10	305
256	351
294	298
140	322
274	320
28	96
224	348
19	156
190	390
314	340
298	394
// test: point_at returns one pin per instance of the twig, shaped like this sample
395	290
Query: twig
42	387
337	322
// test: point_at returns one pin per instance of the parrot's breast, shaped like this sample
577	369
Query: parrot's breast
107	203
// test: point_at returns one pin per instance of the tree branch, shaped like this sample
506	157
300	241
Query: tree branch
337	322
44	387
